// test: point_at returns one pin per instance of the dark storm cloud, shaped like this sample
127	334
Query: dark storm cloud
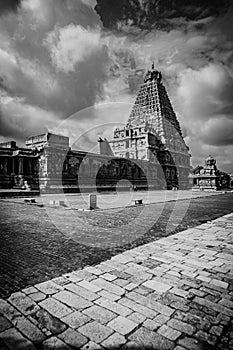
56	58
9	5
148	14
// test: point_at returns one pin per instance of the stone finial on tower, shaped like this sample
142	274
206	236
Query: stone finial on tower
153	74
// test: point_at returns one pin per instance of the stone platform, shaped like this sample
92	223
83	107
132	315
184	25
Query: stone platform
174	293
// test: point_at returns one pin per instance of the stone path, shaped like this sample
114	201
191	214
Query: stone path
175	293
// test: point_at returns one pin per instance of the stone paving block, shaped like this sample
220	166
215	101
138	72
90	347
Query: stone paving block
157	286
110	265
8	310
94	270
135	269
143	290
54	343
219	283
197	292
131	346
115	340
161	319
150	324
109	296
95	331
146	338
179	292
109	286
55	307
72	277
190	343
75	319
209	338
136	317
181	326
61	280
216	330
121	282
29	290
48	287
169	332
109	277
23	303
37	296
104	267
81	292
4	324
121	274
91	346
73	338
89	286
84	275
226	303
137	307
213	306
15	340
123	258
151	303
131	286
122	325
46	320
113	306
99	314
72	300
30	331
180	305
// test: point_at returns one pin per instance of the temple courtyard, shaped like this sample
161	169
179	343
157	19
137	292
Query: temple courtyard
174	292
154	276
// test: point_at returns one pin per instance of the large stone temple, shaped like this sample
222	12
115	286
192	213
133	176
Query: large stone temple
149	152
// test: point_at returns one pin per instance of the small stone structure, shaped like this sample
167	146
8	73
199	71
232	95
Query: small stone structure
209	177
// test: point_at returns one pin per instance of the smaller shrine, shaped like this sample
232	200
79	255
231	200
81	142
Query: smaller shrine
209	177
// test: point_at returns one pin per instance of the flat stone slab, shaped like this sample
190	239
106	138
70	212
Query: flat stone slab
172	294
156	285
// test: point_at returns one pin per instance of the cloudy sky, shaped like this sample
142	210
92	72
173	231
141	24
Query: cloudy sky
64	66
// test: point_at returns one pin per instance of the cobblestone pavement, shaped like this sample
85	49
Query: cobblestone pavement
174	293
33	250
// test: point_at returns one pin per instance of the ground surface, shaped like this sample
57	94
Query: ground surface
38	243
175	293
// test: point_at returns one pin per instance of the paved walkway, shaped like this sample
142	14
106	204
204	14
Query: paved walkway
175	293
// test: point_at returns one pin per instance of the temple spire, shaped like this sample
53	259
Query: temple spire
153	107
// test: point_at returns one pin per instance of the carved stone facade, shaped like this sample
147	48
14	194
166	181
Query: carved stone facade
149	152
153	133
209	177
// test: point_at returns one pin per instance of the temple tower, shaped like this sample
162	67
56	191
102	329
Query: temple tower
153	133
154	109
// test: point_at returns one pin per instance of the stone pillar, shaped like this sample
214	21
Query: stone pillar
13	165
5	169
20	166
29	166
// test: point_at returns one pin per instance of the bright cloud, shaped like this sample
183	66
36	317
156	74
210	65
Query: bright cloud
71	45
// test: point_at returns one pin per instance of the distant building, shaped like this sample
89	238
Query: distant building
149	152
209	177
231	181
